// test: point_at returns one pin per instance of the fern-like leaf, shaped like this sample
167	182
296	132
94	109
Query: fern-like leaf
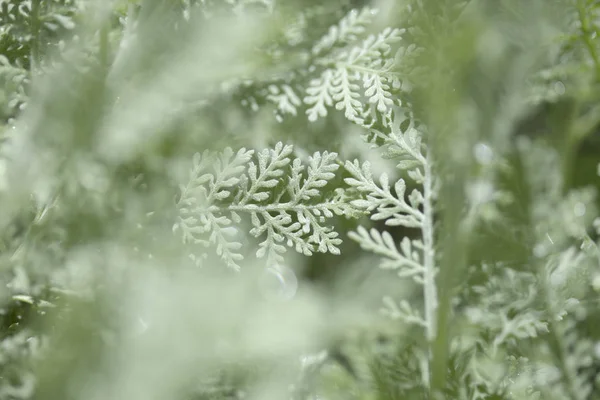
281	196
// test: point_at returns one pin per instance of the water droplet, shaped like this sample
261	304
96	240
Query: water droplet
480	192
559	88
579	209
143	325
483	153
279	282
539	250
597	349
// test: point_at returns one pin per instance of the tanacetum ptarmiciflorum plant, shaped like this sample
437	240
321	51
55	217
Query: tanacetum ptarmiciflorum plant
266	199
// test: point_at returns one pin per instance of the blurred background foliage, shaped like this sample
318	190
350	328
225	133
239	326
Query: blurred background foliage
103	105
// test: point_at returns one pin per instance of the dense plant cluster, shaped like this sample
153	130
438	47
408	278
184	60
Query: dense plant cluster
264	199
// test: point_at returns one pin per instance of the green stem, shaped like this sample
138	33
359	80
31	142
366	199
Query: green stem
451	269
586	124
587	31
570	146
104	50
35	32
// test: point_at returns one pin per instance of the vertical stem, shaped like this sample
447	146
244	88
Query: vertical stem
569	145
35	32
429	287
586	30
453	242
104	51
430	293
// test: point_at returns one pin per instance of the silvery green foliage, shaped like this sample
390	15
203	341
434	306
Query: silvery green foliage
17	382
26	26
412	258
318	91
343	67
368	65
559	217
518	330
401	141
573	57
539	302
507	306
561	224
15	79
281	195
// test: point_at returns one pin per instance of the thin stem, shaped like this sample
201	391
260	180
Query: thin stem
104	50
383	73
586	29
570	145
586	124
262	176
429	288
36	29
288	206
